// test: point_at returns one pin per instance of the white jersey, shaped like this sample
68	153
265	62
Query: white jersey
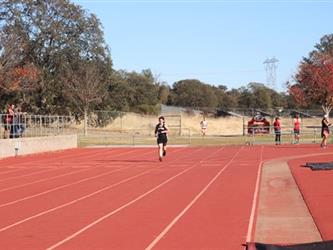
204	124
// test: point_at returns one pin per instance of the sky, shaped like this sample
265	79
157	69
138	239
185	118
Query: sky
219	42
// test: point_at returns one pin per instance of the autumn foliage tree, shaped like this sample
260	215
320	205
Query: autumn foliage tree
45	38
314	80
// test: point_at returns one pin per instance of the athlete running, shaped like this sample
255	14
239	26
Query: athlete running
161	132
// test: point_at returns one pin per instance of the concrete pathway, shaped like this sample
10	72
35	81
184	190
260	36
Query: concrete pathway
282	215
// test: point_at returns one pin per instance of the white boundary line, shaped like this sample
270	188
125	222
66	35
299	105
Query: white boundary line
175	220
34	173
43	180
122	207
67	185
54	177
47	169
61	187
71	202
250	231
70	184
255	199
11	170
117	210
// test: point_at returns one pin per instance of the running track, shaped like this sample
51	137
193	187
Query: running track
123	198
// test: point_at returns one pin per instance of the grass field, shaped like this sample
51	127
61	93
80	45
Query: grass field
135	140
124	130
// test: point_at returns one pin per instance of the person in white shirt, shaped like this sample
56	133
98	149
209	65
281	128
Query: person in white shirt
204	125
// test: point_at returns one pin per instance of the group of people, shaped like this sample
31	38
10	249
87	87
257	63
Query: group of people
296	129
161	132
325	124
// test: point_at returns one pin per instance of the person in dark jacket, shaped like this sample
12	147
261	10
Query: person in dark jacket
325	131
161	132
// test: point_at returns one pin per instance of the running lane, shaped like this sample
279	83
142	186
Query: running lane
219	218
36	231
137	225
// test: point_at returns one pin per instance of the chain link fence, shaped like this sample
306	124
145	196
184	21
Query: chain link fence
27	125
231	127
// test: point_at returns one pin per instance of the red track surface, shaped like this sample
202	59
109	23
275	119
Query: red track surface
316	187
123	198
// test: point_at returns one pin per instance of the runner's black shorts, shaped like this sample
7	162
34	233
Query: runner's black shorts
162	141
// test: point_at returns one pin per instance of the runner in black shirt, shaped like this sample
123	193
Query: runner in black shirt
325	131
161	131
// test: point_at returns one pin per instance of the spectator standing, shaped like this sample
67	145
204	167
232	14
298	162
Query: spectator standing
297	129
9	118
277	131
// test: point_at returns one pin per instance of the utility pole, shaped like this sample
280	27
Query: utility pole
271	66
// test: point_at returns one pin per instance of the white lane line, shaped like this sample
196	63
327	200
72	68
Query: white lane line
255	199
64	186
72	202
175	220
67	185
56	158
34	173
54	168
116	210
43	180
122	207
11	170
251	228
54	177
61	187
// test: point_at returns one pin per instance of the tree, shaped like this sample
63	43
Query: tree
163	93
324	47
133	91
314	84
51	35
256	95
193	93
86	85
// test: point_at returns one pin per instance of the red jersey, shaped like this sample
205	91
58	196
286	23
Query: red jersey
297	124
277	125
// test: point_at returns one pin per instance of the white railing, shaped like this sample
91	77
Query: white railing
27	125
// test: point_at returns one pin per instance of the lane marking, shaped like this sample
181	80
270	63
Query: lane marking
61	187
11	170
251	227
115	211
250	230
72	202
120	208
43	180
34	173
54	177
196	198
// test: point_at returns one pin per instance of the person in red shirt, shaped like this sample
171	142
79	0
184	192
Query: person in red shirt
9	118
297	129
277	131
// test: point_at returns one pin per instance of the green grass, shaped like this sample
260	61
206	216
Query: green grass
137	140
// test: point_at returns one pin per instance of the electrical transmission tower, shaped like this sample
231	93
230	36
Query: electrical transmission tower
271	66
